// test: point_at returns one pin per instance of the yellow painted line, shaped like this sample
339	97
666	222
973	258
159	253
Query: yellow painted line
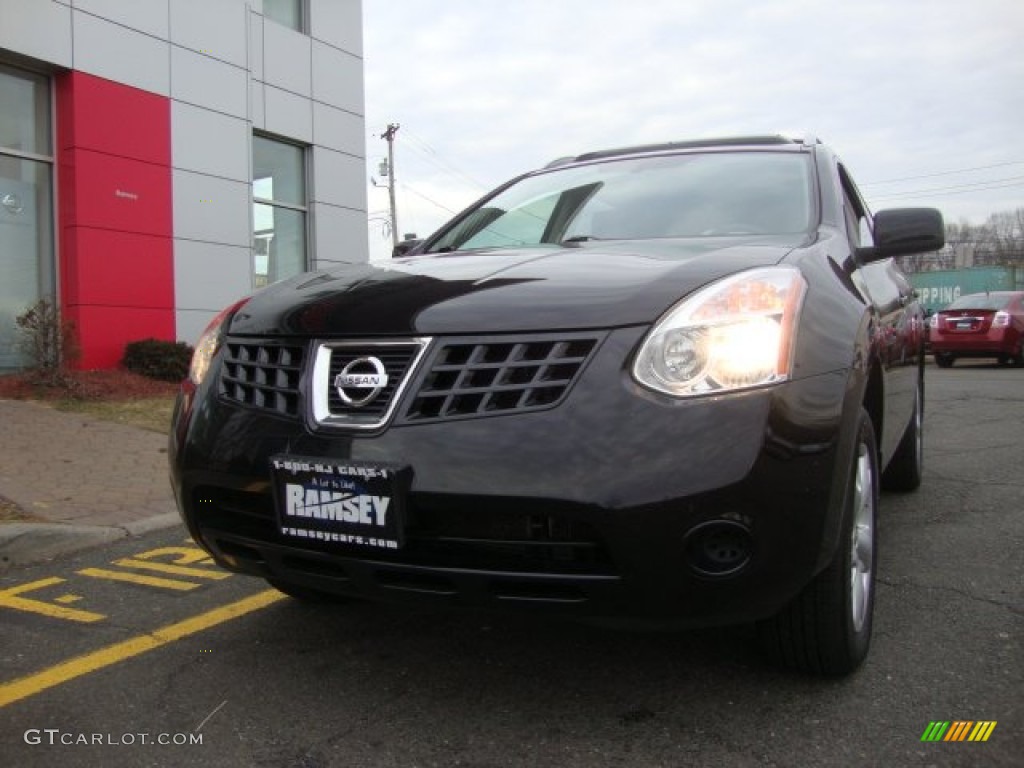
138	578
104	657
180	555
11	598
173	570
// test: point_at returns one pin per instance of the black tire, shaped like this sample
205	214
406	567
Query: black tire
306	594
826	630
944	359
907	464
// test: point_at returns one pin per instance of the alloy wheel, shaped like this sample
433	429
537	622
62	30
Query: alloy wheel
862	539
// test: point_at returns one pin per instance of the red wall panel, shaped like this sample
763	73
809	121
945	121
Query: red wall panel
119	193
120	260
114	214
116	119
108	329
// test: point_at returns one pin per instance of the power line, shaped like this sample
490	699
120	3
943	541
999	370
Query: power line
443	168
407	188
981	186
943	173
432	155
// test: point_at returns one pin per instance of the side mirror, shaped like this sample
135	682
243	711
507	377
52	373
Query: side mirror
901	231
403	248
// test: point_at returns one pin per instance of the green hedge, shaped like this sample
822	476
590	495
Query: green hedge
158	359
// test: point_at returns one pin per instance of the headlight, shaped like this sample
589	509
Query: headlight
209	343
733	334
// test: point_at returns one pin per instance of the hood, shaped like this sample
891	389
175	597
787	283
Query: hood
596	285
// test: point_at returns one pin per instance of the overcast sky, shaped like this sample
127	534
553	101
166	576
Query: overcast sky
923	99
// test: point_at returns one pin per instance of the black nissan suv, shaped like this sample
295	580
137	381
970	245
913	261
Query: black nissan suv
661	382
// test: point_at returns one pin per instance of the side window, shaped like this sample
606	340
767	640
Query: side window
858	220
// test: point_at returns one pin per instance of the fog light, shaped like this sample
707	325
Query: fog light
719	547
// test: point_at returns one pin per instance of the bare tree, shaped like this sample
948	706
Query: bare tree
1001	239
997	242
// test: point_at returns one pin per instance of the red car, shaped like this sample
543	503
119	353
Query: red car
980	325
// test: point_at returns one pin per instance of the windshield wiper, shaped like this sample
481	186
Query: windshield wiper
579	239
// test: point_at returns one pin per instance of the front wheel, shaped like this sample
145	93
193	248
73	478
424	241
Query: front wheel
826	630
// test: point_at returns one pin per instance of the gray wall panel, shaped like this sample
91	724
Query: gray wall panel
207	82
149	16
340	236
116	53
189	324
214	27
256	46
337	78
338	22
337	129
339	179
286	59
287	114
40	30
210	277
257	106
209	142
210	209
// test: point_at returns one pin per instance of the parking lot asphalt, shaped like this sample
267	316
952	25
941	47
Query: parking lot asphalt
84	481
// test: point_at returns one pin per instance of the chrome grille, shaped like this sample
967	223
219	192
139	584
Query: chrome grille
262	374
398	358
498	375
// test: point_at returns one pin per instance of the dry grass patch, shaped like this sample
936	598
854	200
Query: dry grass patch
152	413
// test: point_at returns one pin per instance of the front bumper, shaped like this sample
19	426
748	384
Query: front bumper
616	503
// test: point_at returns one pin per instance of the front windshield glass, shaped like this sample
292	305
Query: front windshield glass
688	195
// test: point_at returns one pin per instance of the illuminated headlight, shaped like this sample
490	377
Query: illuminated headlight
733	334
209	343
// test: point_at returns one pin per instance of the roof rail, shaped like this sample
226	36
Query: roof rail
734	141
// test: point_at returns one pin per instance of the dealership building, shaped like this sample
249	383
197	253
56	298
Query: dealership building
160	159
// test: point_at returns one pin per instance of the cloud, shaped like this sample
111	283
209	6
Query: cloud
899	88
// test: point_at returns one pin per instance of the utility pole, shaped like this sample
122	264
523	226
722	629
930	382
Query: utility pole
389	134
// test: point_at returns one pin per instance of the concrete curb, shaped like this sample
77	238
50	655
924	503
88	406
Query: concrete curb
31	543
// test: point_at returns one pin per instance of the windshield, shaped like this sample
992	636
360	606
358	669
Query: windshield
687	195
980	301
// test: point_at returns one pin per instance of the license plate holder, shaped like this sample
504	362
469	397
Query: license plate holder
354	503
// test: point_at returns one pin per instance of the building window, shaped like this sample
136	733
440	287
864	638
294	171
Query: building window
278	210
26	194
290	13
